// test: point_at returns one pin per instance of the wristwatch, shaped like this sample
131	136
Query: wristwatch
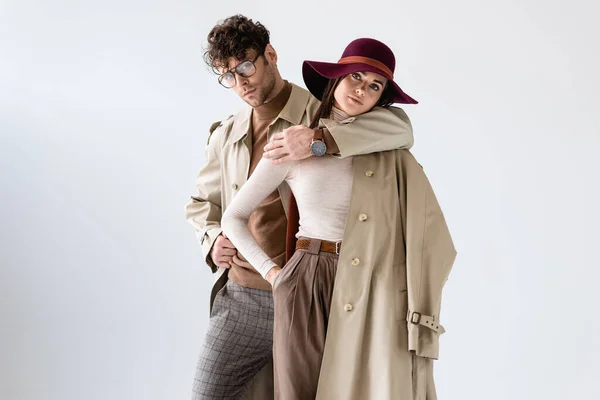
317	145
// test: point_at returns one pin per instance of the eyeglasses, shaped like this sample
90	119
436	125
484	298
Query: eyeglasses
245	69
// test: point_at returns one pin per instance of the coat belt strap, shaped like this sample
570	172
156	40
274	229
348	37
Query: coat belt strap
417	318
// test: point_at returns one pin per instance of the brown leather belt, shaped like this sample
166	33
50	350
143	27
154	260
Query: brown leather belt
329	247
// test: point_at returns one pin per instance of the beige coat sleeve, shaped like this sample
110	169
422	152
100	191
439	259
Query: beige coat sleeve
380	129
430	254
203	210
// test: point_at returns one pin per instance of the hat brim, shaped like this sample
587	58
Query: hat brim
316	74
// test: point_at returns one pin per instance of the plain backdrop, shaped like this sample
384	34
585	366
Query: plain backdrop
104	114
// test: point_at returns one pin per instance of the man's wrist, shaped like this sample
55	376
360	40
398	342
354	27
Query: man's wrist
318	147
332	147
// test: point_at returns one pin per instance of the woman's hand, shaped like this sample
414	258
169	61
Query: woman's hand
272	274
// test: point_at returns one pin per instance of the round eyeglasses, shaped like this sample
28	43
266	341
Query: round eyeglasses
245	69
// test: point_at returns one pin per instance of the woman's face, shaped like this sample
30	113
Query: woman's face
358	92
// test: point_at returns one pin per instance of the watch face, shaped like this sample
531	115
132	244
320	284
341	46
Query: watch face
318	148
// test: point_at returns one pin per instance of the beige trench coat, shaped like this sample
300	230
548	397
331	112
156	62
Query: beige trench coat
384	328
228	161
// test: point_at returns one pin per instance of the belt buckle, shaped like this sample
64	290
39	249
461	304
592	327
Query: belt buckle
412	317
337	247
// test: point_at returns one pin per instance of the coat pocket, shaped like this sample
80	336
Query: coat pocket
400	291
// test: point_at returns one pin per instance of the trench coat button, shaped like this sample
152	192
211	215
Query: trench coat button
362	217
348	307
234	186
369	173
355	262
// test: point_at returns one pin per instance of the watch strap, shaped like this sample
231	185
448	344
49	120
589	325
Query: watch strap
318	134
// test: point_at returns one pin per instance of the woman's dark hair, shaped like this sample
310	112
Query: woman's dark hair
324	110
233	37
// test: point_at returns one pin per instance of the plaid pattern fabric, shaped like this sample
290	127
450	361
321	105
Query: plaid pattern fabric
239	342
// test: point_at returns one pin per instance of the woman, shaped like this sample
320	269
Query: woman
304	297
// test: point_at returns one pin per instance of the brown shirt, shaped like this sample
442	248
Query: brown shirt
268	222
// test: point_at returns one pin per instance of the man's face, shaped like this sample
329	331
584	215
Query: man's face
254	89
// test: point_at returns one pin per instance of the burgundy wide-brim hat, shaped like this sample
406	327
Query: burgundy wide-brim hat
361	55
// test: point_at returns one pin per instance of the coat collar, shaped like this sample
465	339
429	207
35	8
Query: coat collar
292	112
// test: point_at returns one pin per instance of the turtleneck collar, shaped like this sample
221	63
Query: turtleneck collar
338	115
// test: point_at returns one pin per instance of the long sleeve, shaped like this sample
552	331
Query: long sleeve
380	129
203	210
265	179
430	254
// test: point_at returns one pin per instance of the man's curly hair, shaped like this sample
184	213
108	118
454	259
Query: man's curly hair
233	37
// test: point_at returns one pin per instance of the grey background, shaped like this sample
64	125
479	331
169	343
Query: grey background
104	111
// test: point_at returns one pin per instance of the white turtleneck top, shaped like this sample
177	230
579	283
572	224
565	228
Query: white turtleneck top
321	186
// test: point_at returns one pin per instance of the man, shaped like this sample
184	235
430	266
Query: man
237	349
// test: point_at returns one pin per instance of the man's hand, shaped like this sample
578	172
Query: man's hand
222	251
272	274
239	260
292	144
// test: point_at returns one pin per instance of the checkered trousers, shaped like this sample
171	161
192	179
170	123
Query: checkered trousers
238	344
